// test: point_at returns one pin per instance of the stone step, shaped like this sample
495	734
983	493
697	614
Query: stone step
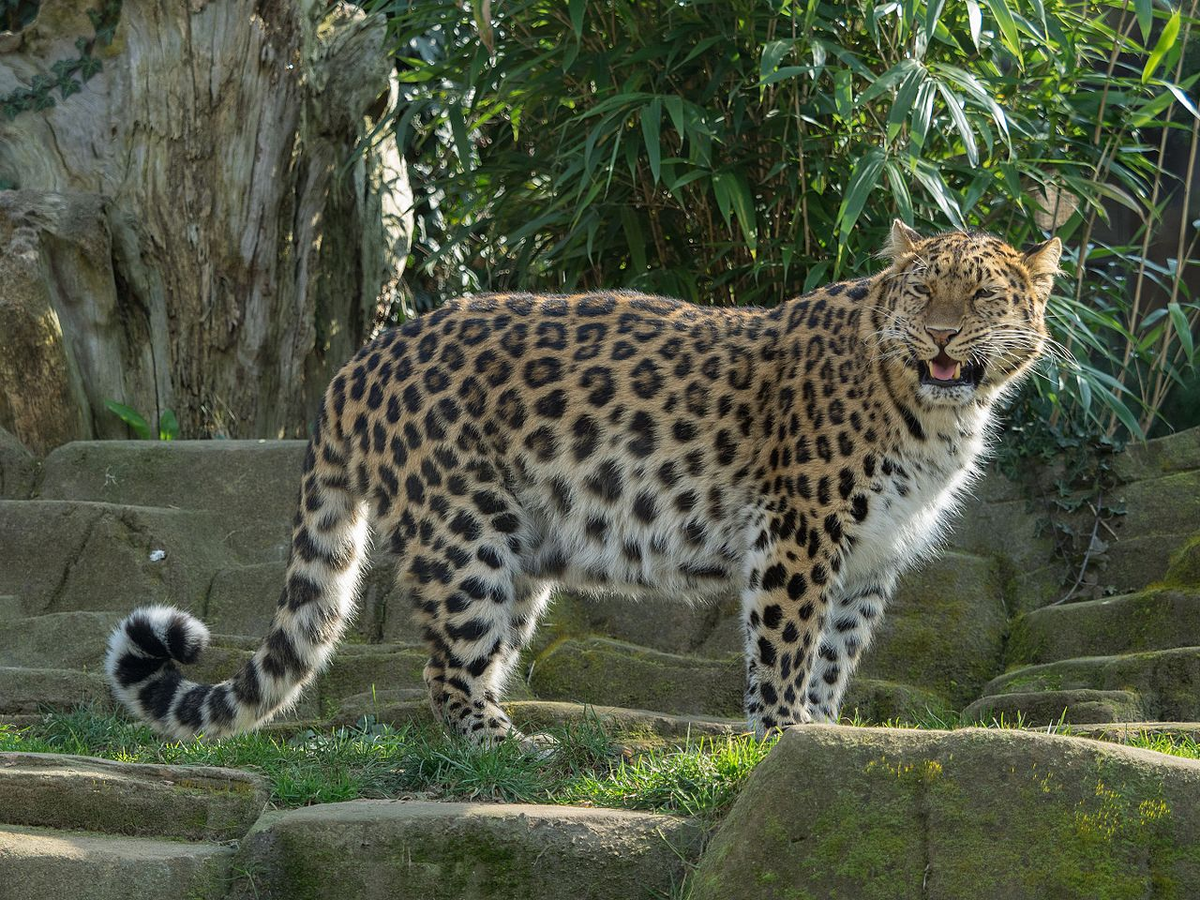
601	672
62	556
196	803
1178	452
974	813
1123	732
51	865
1163	514
256	481
69	640
382	849
1076	707
26	691
1167	681
1149	620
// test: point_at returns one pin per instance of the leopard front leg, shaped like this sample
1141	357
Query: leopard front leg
785	612
849	626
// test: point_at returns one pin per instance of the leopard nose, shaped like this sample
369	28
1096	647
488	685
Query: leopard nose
942	336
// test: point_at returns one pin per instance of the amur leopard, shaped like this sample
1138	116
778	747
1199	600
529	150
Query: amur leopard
800	456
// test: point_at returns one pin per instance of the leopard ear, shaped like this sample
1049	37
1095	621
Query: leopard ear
901	242
1042	263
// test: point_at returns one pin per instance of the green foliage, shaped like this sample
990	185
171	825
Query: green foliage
168	423
67	75
744	151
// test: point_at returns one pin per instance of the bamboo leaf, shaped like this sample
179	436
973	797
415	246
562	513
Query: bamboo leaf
130	417
862	183
1145	16
954	106
1008	27
1183	331
1165	42
651	120
974	21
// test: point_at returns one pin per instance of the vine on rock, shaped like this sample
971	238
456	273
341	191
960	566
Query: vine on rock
68	75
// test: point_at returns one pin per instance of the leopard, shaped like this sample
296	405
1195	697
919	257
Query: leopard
800	457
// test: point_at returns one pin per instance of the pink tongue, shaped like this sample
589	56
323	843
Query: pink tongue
943	373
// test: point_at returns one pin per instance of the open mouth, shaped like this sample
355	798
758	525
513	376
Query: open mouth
945	371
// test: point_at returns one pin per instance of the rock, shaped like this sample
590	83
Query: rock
95	556
672	627
1150	620
537	715
604	672
1008	530
28	691
52	865
1168	681
1123	732
368	849
1161	456
944	631
370	668
1184	567
1162	514
18	469
891	813
72	640
1050	707
198	803
251	485
875	701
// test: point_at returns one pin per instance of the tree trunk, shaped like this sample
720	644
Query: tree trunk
190	228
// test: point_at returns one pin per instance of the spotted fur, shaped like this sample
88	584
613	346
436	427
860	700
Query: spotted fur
802	456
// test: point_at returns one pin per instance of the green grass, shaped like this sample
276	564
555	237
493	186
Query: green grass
699	778
589	766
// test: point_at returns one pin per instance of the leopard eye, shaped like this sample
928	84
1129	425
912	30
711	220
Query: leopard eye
921	289
983	294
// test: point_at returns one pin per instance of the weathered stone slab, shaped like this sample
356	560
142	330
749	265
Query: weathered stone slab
944	632
61	556
18	469
1123	732
198	803
605	672
1150	620
71	640
28	691
364	669
1168	681
43	864
389	850
877	702
1079	706
1161	456
892	814
1162	514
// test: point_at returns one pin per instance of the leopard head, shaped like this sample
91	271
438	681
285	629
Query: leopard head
960	316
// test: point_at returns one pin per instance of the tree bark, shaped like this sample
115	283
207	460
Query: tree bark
193	229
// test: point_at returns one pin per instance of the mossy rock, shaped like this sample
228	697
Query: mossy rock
944	631
1161	517
62	556
1162	456
1184	566
1008	530
49	864
1168	681
876	701
18	468
198	803
673	627
1075	707
1150	620
610	673
368	669
380	850
891	814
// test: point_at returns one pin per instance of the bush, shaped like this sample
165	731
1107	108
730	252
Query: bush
745	151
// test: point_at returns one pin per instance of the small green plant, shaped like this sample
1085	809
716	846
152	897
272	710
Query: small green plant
67	75
168	422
